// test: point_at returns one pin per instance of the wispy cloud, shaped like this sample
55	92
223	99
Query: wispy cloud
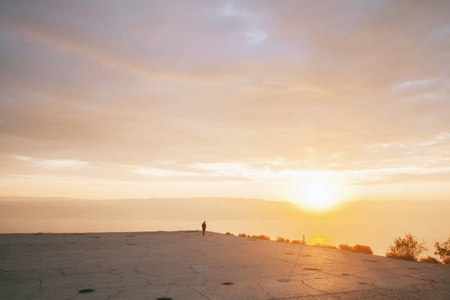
417	83
56	164
164	173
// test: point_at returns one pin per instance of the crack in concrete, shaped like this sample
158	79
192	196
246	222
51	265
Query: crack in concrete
116	294
197	291
121	277
73	297
5	270
134	269
41	287
190	267
303	281
262	288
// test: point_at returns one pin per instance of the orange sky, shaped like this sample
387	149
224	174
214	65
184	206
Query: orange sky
113	99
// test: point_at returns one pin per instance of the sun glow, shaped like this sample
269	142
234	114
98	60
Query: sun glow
318	239
318	194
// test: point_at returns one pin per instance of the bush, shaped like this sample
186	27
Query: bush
446	261
407	248
443	250
356	249
242	235
264	237
295	242
361	249
261	237
429	259
229	233
345	247
281	239
402	256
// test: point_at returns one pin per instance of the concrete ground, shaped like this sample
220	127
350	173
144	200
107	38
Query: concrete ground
187	265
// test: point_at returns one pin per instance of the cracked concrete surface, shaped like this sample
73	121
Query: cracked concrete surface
187	265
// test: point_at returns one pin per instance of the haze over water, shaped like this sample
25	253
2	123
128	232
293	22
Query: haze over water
314	103
373	223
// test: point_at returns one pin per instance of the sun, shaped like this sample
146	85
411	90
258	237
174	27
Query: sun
317	194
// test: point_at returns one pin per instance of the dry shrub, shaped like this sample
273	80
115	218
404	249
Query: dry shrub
261	237
280	239
345	247
429	259
229	233
443	250
407	248
242	235
402	256
362	249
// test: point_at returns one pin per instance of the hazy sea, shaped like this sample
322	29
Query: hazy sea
378	234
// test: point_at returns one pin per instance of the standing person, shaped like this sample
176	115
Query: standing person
204	227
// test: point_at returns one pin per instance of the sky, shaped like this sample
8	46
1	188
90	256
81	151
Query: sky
257	99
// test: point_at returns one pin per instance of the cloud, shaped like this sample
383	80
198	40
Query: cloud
53	164
164	173
417	83
222	88
255	37
410	179
61	164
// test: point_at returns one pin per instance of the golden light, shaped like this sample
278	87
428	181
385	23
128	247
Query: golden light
318	239
317	194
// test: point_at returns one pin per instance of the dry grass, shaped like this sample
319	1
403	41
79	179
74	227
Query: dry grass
429	259
402	257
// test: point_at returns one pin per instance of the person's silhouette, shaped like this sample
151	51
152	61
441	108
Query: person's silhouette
204	227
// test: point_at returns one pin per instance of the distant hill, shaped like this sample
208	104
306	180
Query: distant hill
153	208
212	208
